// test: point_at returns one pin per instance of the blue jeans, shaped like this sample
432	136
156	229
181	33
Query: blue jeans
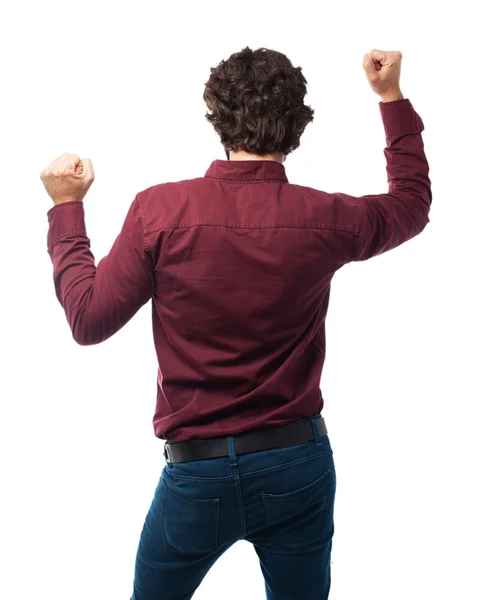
280	500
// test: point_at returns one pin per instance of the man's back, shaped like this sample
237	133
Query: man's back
238	265
243	264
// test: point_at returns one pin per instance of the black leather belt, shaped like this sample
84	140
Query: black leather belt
298	432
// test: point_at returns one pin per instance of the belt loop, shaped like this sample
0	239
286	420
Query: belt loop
231	450
317	436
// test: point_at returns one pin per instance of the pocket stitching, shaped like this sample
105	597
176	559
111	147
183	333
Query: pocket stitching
214	503
302	490
290	495
193	501
291	463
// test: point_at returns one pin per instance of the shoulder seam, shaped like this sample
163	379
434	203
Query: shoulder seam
146	231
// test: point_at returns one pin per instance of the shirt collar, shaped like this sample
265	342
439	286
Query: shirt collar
247	170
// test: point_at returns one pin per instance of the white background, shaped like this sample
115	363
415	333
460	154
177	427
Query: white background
122	84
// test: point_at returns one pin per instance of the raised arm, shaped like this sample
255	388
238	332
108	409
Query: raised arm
384	221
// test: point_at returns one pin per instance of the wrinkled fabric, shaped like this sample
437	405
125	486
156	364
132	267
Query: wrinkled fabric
238	266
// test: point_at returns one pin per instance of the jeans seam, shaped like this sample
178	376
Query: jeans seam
231	477
289	464
239	495
205	479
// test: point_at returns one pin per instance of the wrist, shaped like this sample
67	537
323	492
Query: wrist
56	202
392	96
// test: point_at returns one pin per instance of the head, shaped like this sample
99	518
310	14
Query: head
256	104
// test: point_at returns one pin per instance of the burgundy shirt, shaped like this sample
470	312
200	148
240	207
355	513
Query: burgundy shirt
238	266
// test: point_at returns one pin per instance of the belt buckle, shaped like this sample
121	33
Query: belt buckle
166	454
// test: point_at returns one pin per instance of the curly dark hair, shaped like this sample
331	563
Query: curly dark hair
256	99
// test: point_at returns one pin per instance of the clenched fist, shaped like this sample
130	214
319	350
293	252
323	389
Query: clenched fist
68	178
383	69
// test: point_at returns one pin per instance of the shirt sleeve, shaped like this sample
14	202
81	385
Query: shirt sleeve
384	221
98	301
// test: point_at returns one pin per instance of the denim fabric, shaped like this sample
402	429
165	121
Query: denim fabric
280	500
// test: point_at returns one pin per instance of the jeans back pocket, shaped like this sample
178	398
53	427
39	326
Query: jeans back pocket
301	520
190	525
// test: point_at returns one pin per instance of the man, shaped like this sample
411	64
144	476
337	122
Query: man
238	265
